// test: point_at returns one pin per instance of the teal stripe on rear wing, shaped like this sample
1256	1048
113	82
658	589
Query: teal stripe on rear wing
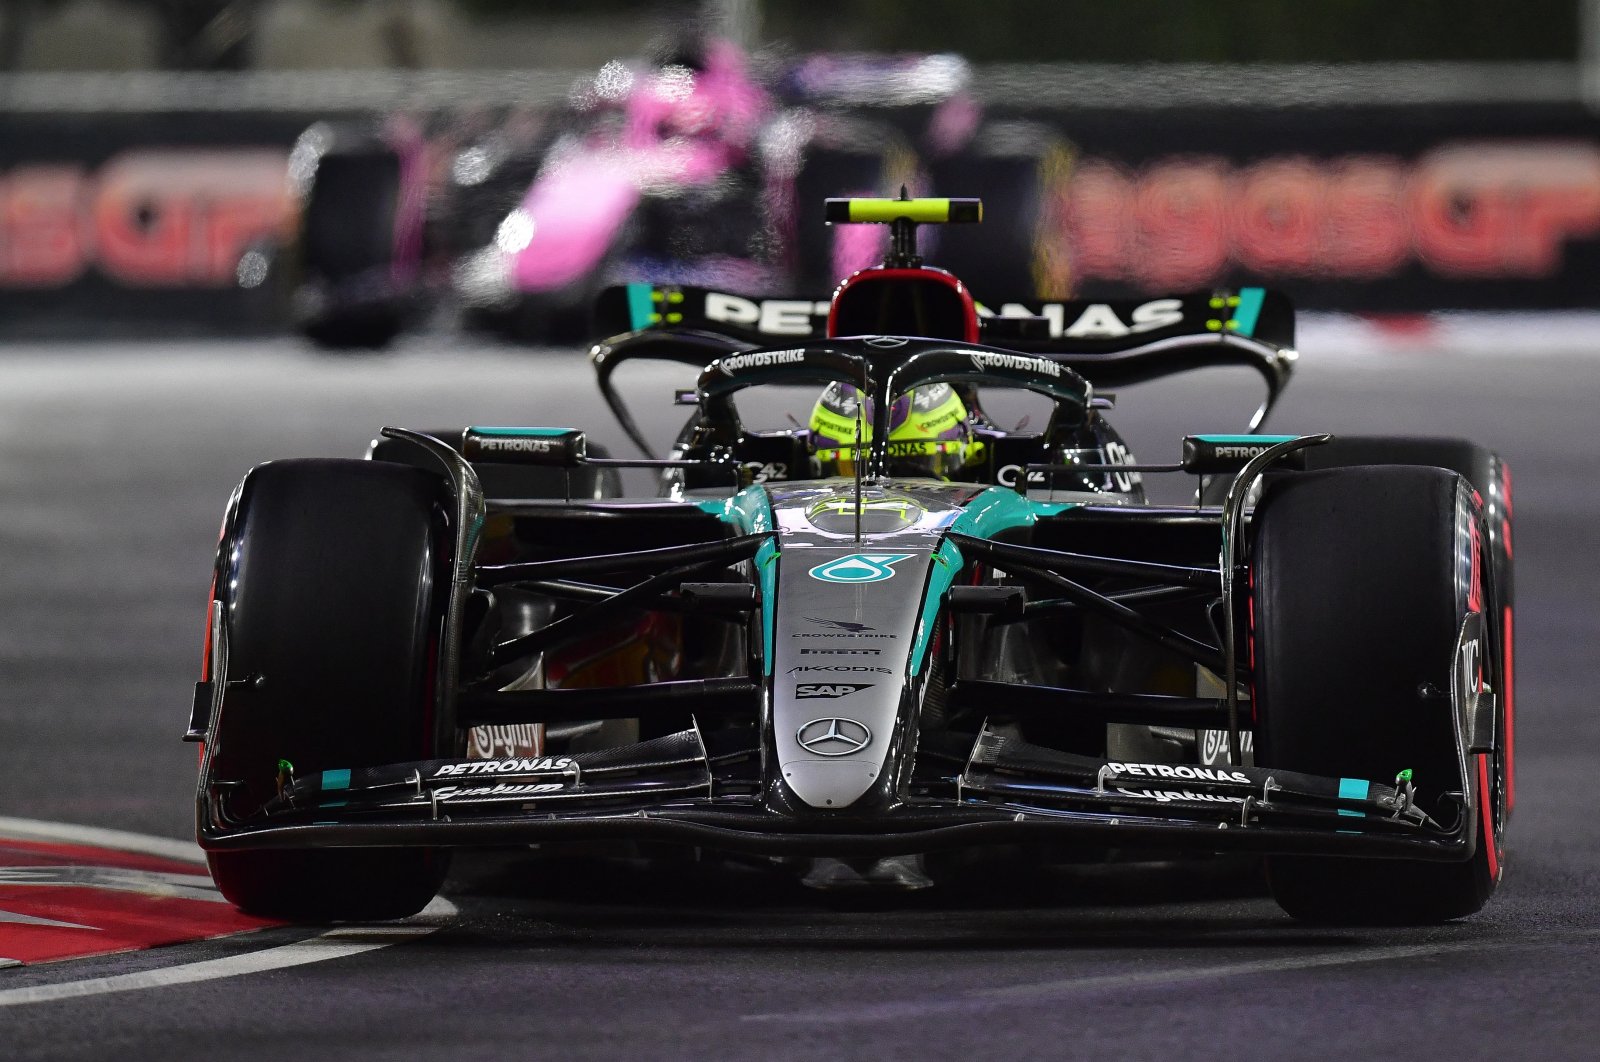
1108	326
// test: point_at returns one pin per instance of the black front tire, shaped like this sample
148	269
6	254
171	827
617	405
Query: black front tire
1357	611
333	579
347	247
330	884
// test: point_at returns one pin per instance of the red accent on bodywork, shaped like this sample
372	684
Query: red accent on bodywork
1484	798
205	651
205	644
924	273
1509	681
1475	588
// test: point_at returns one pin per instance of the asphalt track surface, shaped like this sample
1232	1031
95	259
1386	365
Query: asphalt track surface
115	462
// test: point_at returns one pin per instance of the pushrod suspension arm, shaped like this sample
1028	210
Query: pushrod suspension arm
1143	593
1206	656
1012	557
699	554
635	596
592	593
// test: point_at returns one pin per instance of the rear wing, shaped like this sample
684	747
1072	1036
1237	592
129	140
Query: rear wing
1111	343
1062	328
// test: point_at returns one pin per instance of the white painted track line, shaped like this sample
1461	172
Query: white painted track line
334	944
121	840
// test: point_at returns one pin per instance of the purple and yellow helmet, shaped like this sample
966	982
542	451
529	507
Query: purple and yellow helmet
929	432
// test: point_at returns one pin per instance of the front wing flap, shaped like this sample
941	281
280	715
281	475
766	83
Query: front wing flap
1005	767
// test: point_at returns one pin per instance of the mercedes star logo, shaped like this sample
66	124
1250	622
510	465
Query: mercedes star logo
833	737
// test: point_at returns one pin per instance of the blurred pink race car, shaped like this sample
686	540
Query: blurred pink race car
685	169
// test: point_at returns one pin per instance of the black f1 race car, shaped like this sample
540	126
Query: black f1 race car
900	629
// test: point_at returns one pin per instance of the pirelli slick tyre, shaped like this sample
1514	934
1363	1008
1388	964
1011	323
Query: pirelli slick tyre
1362	577
333	577
347	248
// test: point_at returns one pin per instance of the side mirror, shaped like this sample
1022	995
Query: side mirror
545	447
1207	455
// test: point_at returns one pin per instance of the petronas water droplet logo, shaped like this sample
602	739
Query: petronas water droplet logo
859	568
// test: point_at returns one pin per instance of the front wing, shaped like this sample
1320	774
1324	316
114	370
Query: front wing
998	790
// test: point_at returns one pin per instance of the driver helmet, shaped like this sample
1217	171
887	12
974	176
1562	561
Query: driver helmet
930	434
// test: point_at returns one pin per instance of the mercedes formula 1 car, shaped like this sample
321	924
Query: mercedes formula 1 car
897	630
